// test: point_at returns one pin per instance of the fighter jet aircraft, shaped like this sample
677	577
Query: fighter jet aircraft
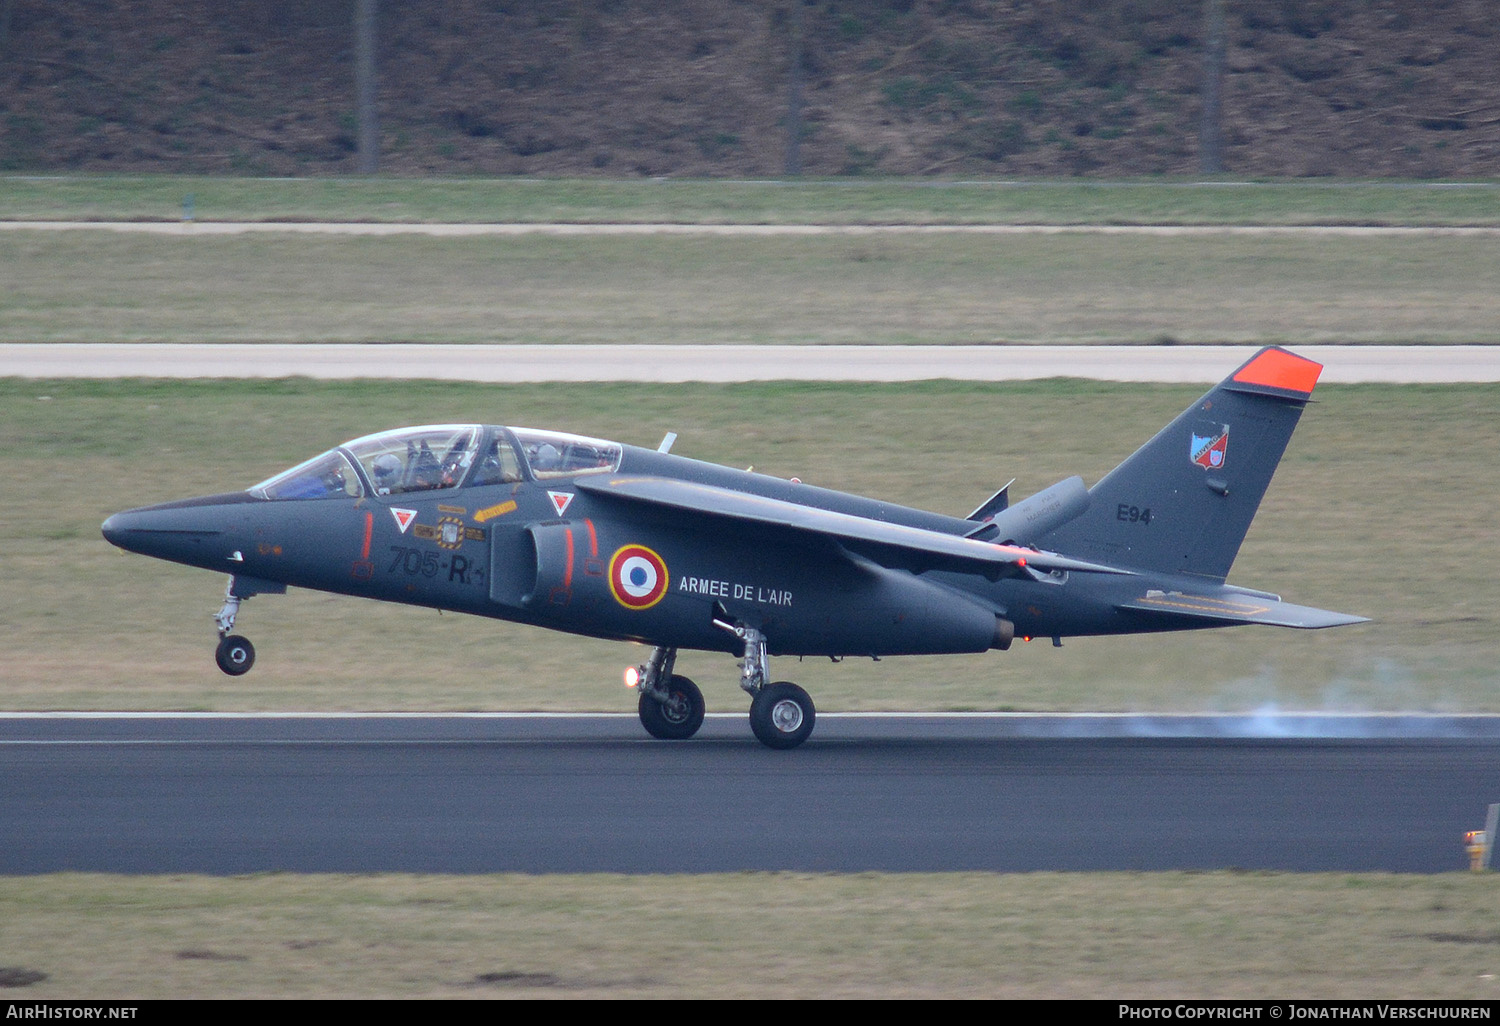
613	541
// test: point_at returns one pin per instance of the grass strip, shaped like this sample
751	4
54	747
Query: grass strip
1174	936
662	289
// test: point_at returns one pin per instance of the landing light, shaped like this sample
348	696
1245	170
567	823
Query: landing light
632	676
1475	843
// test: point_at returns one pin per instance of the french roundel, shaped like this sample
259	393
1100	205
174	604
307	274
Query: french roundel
637	577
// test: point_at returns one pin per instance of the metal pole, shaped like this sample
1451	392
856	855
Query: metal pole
364	82
1210	138
794	96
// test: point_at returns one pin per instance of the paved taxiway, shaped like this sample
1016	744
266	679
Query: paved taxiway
729	363
449	229
149	793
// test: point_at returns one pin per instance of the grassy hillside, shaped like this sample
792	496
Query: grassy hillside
627	88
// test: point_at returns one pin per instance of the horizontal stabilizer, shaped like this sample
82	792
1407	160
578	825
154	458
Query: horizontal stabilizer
1231	607
887	543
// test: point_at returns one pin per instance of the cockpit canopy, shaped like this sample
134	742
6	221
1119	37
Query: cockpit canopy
553	454
440	456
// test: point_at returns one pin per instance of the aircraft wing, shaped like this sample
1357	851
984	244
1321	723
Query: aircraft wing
889	544
1229	606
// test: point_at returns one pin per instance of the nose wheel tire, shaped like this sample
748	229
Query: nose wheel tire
679	717
782	715
235	655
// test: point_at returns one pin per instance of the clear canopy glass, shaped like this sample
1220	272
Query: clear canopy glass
441	456
551	454
328	476
420	459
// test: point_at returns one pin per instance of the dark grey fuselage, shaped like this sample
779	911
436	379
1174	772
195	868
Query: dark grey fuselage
508	553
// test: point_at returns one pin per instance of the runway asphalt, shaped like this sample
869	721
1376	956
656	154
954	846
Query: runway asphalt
222	795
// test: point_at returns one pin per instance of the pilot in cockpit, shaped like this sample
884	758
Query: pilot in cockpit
544	457
427	472
386	470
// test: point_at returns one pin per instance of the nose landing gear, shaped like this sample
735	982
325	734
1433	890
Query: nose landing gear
235	655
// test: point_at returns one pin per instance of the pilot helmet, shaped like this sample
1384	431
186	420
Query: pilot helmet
545	457
386	469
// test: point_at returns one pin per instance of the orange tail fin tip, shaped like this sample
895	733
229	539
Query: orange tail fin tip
1277	368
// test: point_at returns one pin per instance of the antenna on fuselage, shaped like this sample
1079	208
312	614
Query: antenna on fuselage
666	443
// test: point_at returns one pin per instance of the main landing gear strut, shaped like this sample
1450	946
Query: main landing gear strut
672	707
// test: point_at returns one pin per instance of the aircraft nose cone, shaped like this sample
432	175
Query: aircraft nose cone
114	528
188	531
130	530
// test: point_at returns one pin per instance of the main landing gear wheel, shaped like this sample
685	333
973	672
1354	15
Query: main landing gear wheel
235	655
679	717
782	715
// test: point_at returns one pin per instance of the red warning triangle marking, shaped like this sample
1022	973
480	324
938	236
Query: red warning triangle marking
560	500
404	517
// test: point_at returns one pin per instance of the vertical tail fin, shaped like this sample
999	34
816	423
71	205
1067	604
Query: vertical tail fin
1184	501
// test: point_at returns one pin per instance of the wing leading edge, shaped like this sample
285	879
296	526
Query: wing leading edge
908	547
